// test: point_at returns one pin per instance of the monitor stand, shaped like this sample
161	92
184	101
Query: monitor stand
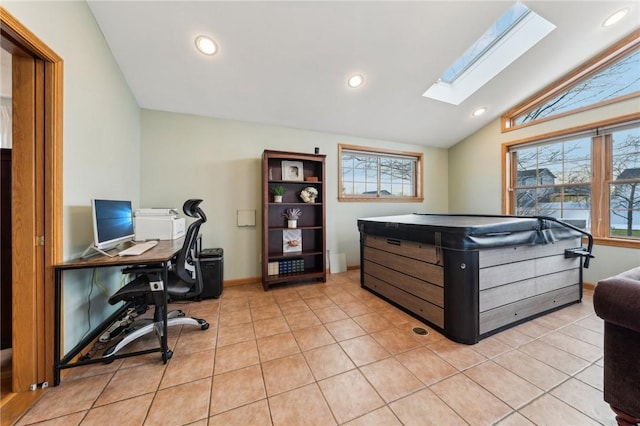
92	250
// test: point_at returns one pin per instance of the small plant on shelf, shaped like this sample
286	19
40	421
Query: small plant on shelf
278	192
292	216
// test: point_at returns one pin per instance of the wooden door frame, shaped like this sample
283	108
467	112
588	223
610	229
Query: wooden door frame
34	257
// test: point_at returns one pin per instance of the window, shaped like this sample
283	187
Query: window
367	174
624	186
554	179
490	38
611	77
619	79
590	179
511	36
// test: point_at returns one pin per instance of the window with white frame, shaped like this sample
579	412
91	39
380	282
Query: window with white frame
367	174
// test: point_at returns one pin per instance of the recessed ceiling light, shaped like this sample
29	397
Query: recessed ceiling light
479	112
615	18
355	81
206	45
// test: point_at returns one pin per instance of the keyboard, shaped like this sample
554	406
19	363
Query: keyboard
138	249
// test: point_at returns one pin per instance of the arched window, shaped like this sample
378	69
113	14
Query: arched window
610	77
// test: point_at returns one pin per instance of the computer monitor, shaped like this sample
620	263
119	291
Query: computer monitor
112	224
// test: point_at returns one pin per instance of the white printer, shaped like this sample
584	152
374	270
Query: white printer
158	224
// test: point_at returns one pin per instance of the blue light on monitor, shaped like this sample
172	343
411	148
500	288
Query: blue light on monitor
112	223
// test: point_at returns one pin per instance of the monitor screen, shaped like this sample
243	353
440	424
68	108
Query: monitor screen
112	223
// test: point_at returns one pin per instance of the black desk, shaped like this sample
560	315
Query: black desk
161	254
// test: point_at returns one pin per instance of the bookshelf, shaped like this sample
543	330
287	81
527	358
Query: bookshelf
293	254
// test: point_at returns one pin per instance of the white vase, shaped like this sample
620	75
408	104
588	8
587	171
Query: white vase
292	223
277	198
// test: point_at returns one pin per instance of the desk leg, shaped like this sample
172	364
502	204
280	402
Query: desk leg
166	353
57	306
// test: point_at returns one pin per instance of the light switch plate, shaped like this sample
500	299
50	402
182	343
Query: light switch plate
246	217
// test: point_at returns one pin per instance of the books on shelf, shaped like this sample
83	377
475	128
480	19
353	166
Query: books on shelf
272	268
285	267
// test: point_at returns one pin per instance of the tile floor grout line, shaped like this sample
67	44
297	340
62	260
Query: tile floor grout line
244	298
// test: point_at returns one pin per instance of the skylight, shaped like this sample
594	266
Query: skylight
498	30
515	32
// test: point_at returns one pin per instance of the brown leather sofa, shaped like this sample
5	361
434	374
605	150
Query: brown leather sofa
617	301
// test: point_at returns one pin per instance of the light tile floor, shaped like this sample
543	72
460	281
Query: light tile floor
324	354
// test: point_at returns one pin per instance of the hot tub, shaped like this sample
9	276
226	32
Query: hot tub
471	276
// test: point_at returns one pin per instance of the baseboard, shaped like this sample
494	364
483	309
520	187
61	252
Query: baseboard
253	280
241	281
15	405
588	286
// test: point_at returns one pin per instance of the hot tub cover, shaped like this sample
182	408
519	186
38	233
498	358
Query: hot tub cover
470	232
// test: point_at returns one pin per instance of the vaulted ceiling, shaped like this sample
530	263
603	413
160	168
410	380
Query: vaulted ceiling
286	63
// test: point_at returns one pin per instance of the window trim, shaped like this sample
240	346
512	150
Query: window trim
382	152
584	71
599	227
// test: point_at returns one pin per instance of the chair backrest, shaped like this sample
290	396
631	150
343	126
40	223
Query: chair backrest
186	259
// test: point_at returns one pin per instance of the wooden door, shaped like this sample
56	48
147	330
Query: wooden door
37	199
27	224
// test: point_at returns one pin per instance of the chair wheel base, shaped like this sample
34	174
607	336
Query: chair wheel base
203	324
107	354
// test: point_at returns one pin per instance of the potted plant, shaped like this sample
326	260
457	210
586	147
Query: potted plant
278	192
292	216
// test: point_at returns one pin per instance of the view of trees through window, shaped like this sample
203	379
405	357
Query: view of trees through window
619	79
610	77
378	174
588	175
555	179
624	189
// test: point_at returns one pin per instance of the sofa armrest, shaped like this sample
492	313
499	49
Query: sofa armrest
617	300
633	274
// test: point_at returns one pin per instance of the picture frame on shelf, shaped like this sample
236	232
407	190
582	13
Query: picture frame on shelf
291	240
292	170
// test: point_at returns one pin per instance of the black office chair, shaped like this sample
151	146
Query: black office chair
185	282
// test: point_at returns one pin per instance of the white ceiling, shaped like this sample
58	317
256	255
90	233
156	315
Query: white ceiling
286	63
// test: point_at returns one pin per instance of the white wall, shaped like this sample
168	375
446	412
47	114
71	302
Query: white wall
101	141
186	156
475	178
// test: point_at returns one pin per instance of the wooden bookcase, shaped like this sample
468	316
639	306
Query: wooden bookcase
310	263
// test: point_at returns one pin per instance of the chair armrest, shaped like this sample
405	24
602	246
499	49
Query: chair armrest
617	300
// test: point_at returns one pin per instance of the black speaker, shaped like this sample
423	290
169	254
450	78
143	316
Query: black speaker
212	268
